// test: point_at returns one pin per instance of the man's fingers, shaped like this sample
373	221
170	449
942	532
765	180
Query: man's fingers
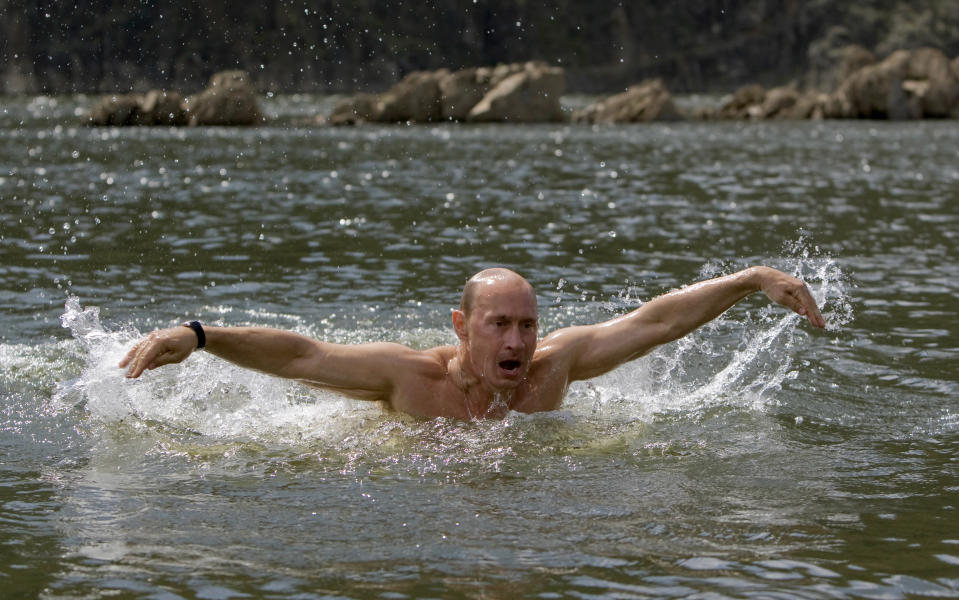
129	355
161	347
143	355
795	295
808	308
136	366
811	309
815	317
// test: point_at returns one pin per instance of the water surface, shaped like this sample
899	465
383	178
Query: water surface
756	458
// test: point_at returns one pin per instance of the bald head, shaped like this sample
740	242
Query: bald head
491	280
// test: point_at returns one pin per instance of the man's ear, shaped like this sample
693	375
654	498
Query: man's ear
459	324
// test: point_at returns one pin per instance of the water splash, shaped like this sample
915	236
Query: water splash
737	359
203	395
741	359
99	385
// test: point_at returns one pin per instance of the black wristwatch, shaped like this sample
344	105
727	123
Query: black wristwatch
198	330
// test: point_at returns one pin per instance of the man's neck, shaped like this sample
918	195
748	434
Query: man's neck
479	400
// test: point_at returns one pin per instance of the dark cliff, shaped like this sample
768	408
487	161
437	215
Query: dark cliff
334	46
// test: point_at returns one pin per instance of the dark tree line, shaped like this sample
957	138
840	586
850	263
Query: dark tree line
59	46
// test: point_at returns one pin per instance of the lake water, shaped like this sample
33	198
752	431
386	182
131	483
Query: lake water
757	458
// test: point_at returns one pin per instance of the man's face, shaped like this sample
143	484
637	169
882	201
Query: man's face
501	333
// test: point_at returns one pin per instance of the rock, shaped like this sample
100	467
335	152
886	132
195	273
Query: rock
530	95
644	102
954	113
930	77
115	111
837	106
461	91
778	102
854	57
358	108
415	98
832	59
808	105
160	107
498	74
908	84
867	93
703	113
745	103
428	96
229	99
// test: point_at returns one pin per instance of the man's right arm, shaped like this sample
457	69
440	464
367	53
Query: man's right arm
362	370
591	350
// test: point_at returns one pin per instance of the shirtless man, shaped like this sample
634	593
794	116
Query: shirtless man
499	364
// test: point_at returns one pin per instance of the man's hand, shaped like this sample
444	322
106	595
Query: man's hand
162	347
366	371
596	349
791	293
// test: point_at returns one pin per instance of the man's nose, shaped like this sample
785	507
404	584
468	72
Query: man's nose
514	338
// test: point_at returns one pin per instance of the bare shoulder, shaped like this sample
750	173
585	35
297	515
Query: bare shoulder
431	363
586	351
557	353
371	371
402	361
563	344
423	386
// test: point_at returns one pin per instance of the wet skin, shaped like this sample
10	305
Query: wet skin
498	365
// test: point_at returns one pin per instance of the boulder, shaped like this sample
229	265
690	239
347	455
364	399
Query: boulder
837	106
496	75
461	91
703	113
778	102
428	96
746	103
116	111
415	98
808	105
930	77
644	102
355	109
908	84
853	58
161	107
229	99
832	59
954	113
527	96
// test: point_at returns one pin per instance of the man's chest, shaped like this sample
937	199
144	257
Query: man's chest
431	398
539	396
441	397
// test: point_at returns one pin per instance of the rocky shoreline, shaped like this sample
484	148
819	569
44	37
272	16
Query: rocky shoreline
229	99
908	84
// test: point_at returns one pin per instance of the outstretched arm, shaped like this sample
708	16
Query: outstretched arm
363	370
595	349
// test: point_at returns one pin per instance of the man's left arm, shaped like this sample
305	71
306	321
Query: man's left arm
593	350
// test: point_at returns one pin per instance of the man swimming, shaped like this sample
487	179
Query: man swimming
499	364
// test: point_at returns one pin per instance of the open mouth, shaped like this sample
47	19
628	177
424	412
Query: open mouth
509	365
